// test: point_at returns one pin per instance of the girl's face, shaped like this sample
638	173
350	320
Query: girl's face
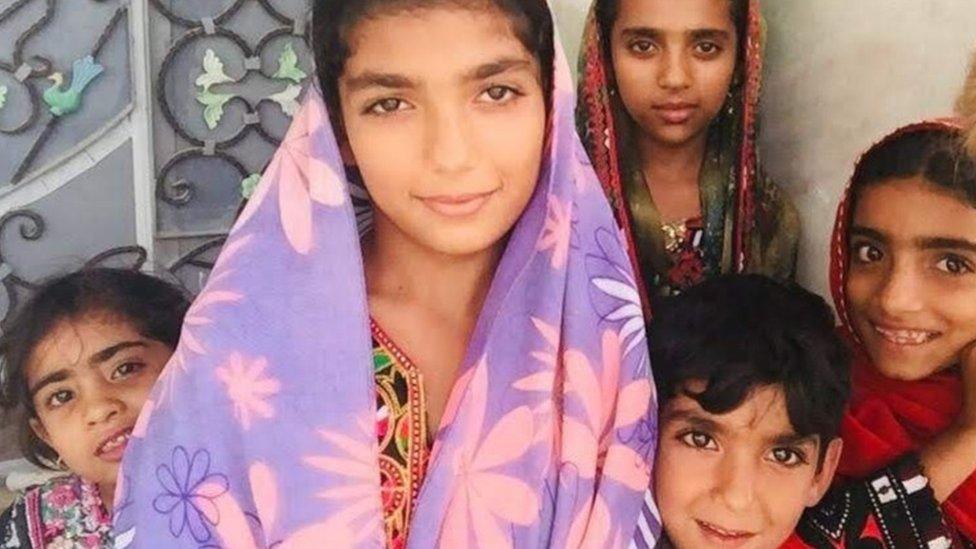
673	62
911	281
445	114
88	379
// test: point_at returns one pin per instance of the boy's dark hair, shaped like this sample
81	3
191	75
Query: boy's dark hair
333	19
937	155
607	10
153	307
738	333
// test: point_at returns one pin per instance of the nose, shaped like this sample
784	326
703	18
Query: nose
736	483
674	73
900	291
449	143
102	407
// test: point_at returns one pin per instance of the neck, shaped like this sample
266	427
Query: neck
401	270
107	492
672	165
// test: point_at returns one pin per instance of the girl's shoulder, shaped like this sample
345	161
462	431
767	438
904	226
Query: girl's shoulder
62	510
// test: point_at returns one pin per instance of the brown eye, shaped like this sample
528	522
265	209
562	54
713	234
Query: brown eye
788	457
867	253
641	46
387	106
498	94
954	265
707	48
59	398
699	440
126	370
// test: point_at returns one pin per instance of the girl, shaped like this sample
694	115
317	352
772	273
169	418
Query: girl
903	274
78	363
456	377
668	104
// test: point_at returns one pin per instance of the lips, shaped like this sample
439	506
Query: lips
675	113
724	536
905	337
113	446
457	205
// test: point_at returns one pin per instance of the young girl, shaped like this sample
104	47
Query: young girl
668	105
78	363
903	274
452	379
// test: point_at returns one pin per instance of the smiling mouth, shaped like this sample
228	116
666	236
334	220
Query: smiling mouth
722	535
905	337
114	444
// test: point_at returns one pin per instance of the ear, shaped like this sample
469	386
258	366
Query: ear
825	476
39	430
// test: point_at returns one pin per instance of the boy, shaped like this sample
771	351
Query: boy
753	381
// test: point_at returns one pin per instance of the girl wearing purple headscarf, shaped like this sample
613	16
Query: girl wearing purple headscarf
424	329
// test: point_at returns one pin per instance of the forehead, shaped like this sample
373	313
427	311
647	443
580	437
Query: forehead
676	15
761	415
431	42
71	341
911	208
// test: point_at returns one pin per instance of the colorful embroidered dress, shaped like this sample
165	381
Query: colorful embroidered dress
749	226
401	426
64	513
262	430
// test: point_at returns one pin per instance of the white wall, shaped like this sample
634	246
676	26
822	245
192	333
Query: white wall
840	74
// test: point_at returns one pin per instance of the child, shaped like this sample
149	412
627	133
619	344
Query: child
78	363
903	274
449	380
668	105
753	384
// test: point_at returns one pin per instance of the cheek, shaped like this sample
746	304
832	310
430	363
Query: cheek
513	145
635	81
680	476
784	499
859	287
386	157
714	80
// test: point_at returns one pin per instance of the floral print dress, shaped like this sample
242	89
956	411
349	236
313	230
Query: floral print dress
64	513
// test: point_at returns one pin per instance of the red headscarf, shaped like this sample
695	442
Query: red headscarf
888	418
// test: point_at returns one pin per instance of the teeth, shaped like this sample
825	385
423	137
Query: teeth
906	337
114	443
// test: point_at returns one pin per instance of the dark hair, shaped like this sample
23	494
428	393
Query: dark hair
937	155
738	333
608	10
332	21
153	307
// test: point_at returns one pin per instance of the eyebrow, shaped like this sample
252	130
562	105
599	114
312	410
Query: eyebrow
946	243
694	34
866	232
100	357
925	242
107	353
372	79
794	439
695	419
